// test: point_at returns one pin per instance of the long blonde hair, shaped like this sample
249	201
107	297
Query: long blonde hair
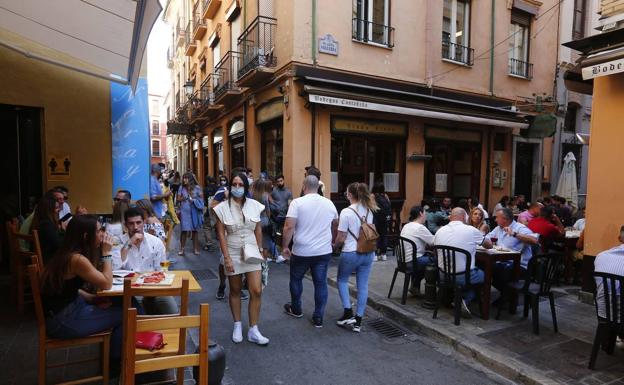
360	192
480	224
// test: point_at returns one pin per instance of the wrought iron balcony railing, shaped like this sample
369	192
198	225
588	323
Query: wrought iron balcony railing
188	34
457	53
520	68
199	24
369	32
225	74
257	45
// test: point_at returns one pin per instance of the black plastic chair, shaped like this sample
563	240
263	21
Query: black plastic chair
611	323
402	266
540	276
448	279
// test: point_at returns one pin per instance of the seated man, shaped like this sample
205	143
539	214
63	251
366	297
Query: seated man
513	236
458	234
609	261
548	226
143	252
531	213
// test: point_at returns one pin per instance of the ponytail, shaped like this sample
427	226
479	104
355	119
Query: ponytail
360	192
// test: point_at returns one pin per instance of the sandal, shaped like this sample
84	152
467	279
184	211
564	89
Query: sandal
196	252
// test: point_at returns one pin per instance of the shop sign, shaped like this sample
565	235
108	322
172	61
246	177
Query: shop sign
269	111
327	44
603	69
356	126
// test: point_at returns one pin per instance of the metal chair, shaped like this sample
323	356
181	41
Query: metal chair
448	279
402	266
611	321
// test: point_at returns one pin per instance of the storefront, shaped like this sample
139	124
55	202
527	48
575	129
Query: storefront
217	151
237	144
206	157
270	121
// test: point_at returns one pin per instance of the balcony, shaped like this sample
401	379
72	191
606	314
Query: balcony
180	36
257	46
457	53
368	32
210	8
190	45
170	53
520	69
204	106
224	78
199	23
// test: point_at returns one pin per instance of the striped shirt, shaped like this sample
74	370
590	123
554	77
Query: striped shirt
610	261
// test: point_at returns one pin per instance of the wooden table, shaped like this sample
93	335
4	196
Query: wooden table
194	286
485	259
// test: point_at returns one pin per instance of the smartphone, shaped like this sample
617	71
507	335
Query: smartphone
66	217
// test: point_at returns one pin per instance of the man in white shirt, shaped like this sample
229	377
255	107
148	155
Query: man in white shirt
609	261
313	220
459	234
143	252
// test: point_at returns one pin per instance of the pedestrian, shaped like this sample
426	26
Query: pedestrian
151	223
240	234
208	228
312	170
261	190
174	182
382	219
502	203
156	192
310	222
191	205
352	219
281	196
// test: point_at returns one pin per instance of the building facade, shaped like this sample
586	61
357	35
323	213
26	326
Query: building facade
158	130
431	98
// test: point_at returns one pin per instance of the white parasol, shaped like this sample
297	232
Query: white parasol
567	180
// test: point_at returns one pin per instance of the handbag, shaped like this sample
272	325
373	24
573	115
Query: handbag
251	254
149	340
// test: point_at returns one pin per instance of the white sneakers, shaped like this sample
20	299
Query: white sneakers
280	259
237	334
381	257
252	336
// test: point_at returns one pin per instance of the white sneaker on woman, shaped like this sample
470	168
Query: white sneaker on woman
383	257
254	336
237	333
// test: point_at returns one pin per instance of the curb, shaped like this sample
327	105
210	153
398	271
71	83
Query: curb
503	365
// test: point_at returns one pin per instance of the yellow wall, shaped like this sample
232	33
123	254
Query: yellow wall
76	121
605	181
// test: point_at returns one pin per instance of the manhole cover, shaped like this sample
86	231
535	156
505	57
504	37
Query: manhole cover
386	328
203	275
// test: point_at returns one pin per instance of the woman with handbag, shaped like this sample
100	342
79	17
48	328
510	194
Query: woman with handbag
240	232
191	205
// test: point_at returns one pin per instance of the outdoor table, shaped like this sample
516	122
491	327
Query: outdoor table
485	259
117	290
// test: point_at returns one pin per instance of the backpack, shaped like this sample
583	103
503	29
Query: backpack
384	214
367	240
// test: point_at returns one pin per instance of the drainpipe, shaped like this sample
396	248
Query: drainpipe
314	33
493	29
313	106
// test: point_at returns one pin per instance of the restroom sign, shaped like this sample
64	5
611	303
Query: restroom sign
59	166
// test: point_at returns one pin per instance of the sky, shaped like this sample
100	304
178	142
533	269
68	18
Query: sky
158	77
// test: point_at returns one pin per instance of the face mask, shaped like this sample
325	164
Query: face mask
238	192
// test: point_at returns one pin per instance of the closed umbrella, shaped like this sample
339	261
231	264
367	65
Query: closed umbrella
567	180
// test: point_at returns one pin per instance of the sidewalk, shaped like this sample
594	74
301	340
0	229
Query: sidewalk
507	346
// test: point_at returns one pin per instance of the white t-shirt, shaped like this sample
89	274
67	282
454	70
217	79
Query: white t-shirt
421	236
314	215
458	234
350	222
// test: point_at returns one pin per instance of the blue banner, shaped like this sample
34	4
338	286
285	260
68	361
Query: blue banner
130	139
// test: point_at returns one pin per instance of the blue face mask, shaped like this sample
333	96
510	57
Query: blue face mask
238	192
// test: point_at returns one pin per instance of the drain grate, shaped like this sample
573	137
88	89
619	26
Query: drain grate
385	328
203	275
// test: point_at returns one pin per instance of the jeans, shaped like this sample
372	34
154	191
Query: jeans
351	261
80	319
318	267
476	276
418	269
160	305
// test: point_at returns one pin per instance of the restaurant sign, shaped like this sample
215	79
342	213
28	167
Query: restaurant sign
357	126
603	69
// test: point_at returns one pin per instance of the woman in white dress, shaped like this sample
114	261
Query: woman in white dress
240	233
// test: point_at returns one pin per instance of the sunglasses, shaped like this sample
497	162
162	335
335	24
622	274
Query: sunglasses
120	200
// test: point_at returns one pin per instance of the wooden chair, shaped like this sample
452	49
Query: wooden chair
403	267
20	259
133	366
46	344
175	339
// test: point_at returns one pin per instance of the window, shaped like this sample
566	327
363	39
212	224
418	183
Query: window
155	127
371	22
519	45
570	118
456	31
272	147
578	27
155	109
155	147
216	54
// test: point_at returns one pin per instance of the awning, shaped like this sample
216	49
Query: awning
103	38
337	98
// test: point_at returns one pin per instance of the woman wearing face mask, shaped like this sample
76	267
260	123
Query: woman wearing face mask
239	232
191	203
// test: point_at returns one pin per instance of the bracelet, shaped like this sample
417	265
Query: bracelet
106	258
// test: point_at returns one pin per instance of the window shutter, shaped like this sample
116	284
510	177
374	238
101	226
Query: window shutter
520	17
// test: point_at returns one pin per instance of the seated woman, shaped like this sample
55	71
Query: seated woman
477	220
422	237
70	311
152	223
46	222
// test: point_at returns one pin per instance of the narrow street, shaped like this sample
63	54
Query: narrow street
301	354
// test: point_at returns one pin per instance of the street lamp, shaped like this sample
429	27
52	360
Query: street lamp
188	88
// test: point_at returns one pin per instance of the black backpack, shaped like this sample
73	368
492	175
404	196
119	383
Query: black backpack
384	214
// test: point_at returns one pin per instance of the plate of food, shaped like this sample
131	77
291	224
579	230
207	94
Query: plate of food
155	278
123	273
